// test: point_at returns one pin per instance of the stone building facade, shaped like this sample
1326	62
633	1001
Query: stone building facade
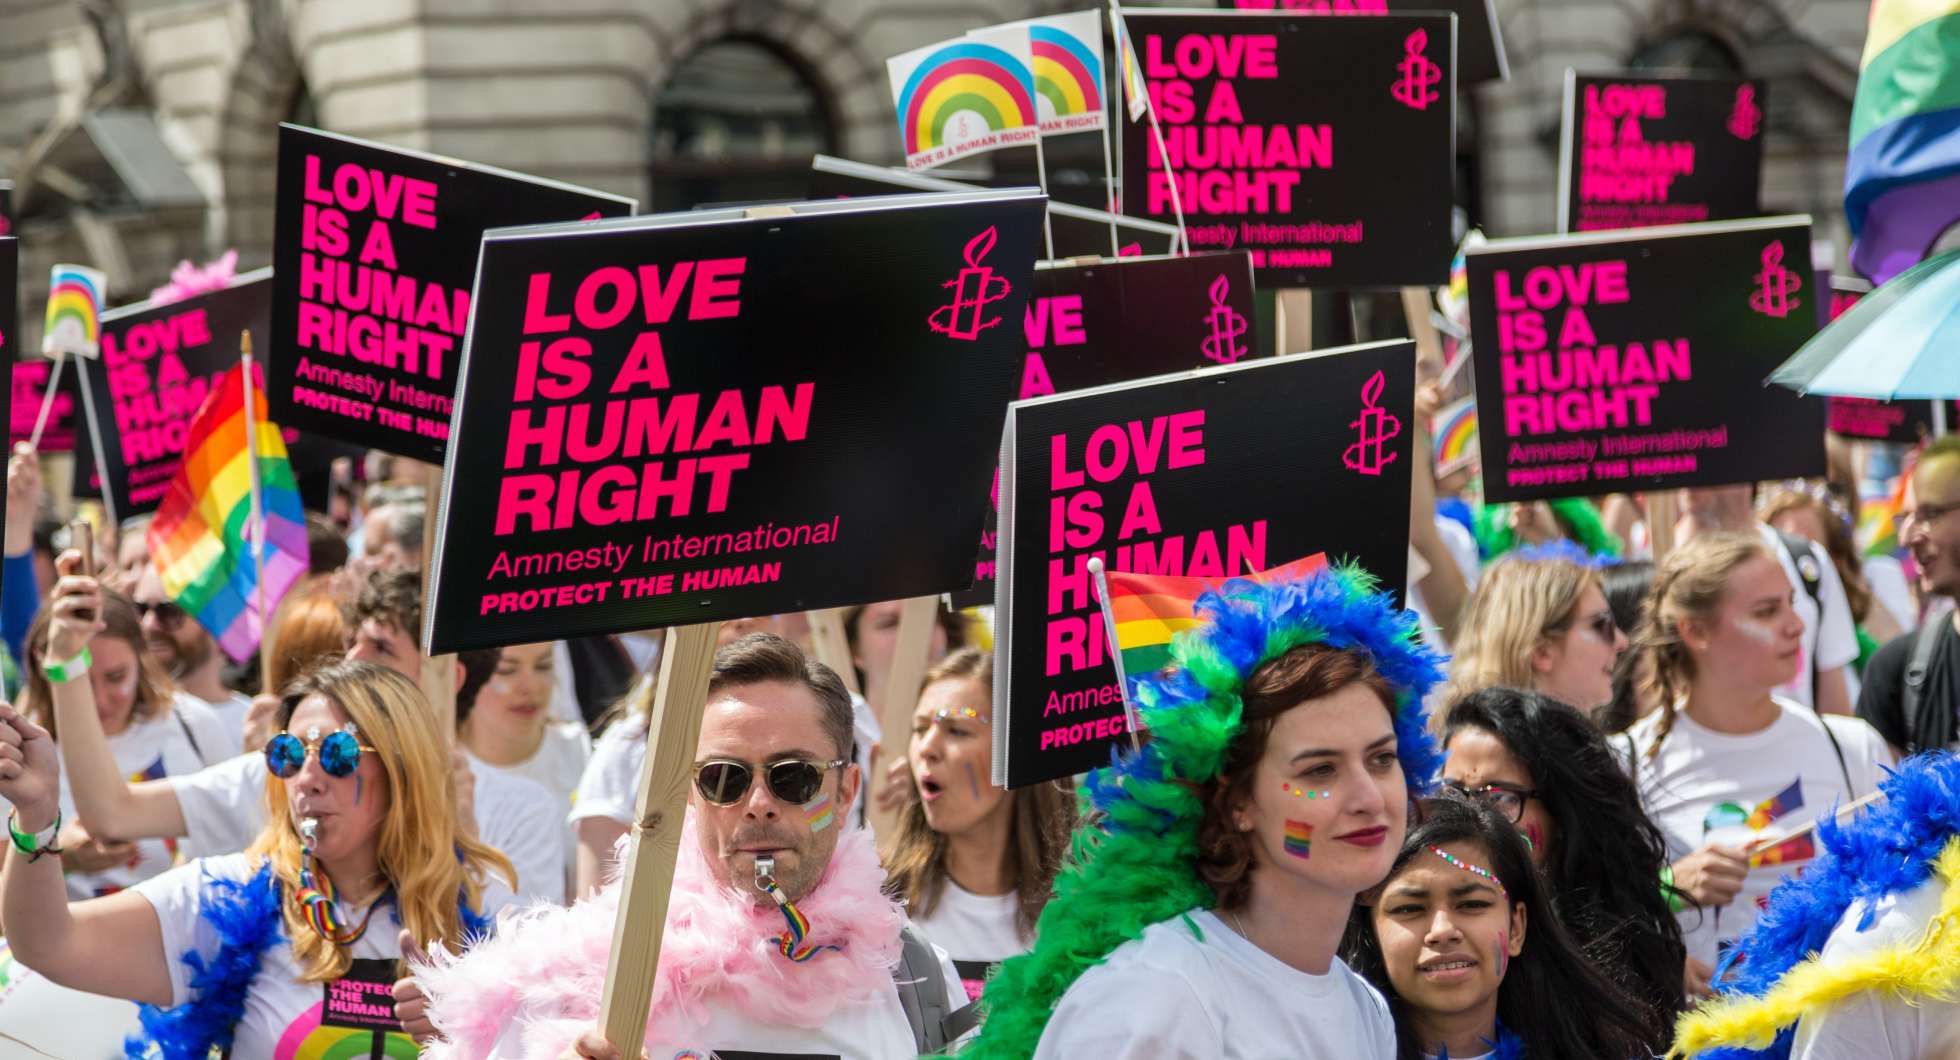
139	132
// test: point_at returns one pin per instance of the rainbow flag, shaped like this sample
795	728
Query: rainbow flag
1796	848
965	96
1455	434
1151	609
1878	534
1902	180
1769	810
1068	72
74	320
1136	92
201	538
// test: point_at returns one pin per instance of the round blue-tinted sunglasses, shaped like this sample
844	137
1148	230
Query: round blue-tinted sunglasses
340	753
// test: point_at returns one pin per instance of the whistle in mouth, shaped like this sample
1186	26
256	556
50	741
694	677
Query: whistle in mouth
309	830
765	873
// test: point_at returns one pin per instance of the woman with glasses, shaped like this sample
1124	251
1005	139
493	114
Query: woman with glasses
290	948
974	863
1730	771
1546	768
1539	620
1463	941
151	731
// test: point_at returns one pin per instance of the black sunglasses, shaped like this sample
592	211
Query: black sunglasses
169	615
795	781
1507	799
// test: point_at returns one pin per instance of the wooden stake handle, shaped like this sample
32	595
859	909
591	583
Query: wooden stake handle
1293	320
654	841
438	672
1429	344
1660	523
833	645
909	659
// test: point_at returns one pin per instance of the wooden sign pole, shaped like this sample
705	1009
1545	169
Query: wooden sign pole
1292	320
833	645
1429	344
654	841
439	671
1660	523
909	659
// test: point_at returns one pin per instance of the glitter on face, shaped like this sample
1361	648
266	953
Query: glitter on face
957	713
1302	792
1474	870
1299	839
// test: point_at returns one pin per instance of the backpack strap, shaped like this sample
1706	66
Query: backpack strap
1912	695
1803	556
921	983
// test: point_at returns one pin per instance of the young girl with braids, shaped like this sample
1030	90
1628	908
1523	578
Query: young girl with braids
1476	965
290	948
1729	770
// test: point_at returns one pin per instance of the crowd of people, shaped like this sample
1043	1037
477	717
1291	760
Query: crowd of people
1559	806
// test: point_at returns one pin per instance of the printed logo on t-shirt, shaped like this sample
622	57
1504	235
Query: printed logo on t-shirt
973	976
355	1018
1730	819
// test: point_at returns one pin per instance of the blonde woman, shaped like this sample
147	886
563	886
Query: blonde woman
1540	624
361	851
974	863
1727	768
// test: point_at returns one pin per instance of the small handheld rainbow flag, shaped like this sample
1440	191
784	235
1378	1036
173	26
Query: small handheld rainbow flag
1902	179
1068	71
74	320
1455	434
965	96
1136	92
202	537
1151	609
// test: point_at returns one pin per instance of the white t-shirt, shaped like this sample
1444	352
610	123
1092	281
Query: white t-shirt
977	930
1171	995
36	1014
1874	1025
1711	787
558	763
165	744
284	1017
1887	578
1828	645
231	710
224	810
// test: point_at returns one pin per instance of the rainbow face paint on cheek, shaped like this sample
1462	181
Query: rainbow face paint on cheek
1299	839
972	782
818	813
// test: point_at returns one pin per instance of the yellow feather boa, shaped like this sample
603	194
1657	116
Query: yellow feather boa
1927	970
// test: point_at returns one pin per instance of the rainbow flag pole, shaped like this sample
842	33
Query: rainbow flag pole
1130	719
255	525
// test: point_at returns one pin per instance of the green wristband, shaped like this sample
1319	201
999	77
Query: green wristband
30	845
1675	903
61	673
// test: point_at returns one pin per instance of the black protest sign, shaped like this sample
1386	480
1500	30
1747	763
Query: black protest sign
158	362
1210	474
28	382
1088	325
1635	360
1347	185
374	252
1658	149
1479	45
694	417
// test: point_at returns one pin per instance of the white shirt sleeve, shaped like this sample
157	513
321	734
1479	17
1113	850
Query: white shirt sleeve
525	821
610	784
1837	638
223	805
177	896
215	741
1162	1018
1888	581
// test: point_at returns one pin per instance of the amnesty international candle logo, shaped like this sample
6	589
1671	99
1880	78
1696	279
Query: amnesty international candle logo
1375	426
1226	324
1776	287
974	289
1746	118
1417	87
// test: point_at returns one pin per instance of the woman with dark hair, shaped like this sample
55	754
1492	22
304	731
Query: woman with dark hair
1626	586
1548	770
974	863
1203	911
1463	940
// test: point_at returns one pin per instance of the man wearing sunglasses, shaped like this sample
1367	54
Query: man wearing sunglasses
1912	686
187	650
778	923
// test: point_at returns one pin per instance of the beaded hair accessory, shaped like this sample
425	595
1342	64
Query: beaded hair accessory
1474	870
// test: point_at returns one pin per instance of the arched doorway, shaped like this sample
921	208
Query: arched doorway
736	122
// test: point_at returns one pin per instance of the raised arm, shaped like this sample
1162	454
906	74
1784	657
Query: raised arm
111	946
109	806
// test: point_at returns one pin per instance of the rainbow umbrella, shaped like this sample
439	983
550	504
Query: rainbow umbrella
1900	341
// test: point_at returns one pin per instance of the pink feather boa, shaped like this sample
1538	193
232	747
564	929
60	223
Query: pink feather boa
189	281
546	968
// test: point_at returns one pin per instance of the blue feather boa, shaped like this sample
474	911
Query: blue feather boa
1506	1047
1887	849
247	919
